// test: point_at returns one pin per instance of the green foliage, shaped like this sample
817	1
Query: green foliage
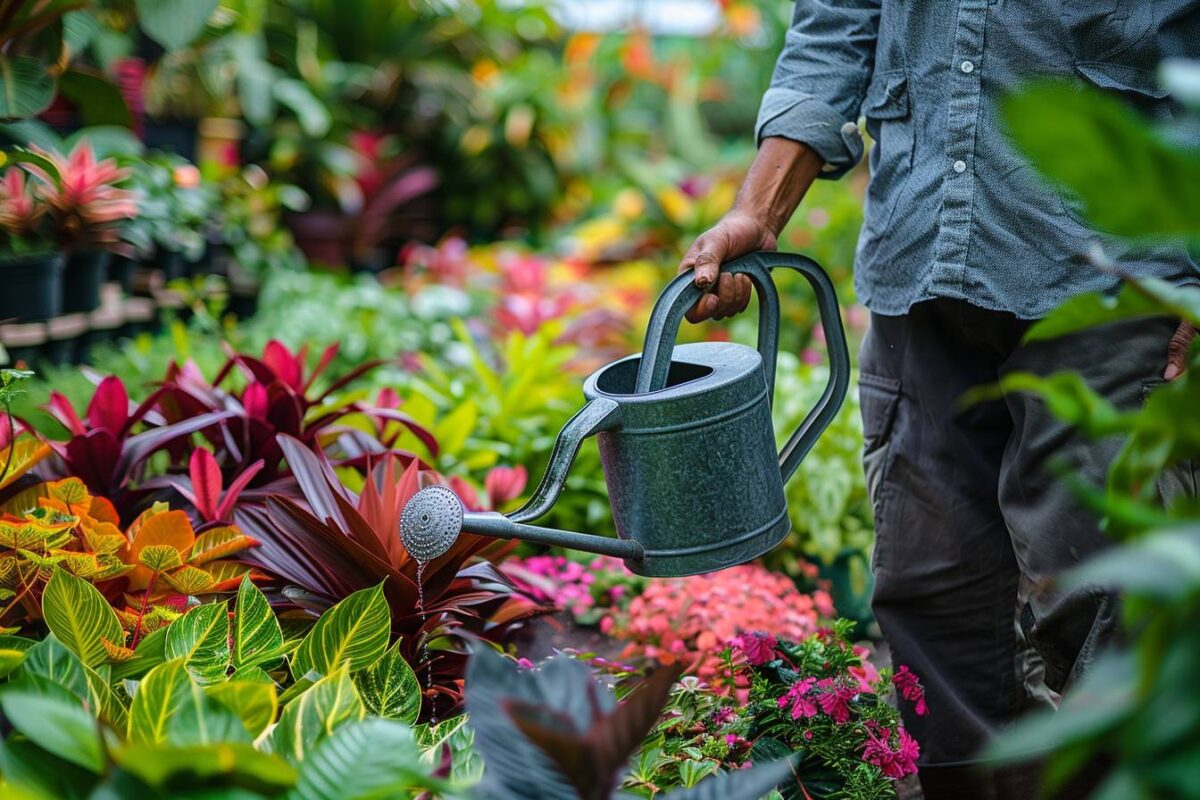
174	23
354	632
80	617
257	637
201	638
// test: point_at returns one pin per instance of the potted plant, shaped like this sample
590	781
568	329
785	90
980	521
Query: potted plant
175	213
30	264
85	207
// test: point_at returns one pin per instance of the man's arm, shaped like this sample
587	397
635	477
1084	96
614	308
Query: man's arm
807	128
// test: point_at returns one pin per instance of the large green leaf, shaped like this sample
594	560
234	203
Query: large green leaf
50	659
44	775
1137	299
257	637
9	661
201	638
355	631
61	727
1131	182
316	715
80	617
174	23
97	99
254	703
390	688
373	758
169	707
230	763
149	653
26	87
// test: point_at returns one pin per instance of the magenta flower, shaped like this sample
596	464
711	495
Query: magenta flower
504	484
759	648
835	700
894	763
803	706
909	687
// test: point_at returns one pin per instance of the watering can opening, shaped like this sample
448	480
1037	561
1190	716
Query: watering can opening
686	442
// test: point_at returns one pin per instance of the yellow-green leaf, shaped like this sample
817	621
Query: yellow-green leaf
353	632
218	543
9	661
257	637
312	717
80	617
253	702
190	580
159	557
201	638
389	687
159	697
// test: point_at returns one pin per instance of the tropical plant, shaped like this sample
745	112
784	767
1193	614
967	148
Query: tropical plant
819	698
195	711
23	219
176	206
83	200
252	208
102	449
330	542
554	731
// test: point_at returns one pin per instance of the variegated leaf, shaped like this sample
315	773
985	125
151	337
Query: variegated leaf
201	638
389	687
254	702
353	632
190	580
80	617
218	543
257	637
160	558
316	714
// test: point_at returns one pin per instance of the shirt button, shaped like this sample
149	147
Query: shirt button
850	129
960	166
967	67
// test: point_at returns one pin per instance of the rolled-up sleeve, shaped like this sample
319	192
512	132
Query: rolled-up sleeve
821	79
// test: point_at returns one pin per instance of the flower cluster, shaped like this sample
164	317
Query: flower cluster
692	619
586	591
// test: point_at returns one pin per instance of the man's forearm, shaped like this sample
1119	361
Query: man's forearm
777	181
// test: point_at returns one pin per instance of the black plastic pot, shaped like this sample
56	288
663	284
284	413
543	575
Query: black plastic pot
121	269
32	287
82	279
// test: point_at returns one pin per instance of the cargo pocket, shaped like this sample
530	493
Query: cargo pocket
889	122
1180	481
878	399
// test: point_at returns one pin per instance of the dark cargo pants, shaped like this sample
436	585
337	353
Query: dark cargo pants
972	525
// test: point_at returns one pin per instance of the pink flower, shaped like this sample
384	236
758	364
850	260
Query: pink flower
758	647
909	687
895	763
835	700
722	716
524	663
797	695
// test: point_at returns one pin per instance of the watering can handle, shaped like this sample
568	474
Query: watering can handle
682	293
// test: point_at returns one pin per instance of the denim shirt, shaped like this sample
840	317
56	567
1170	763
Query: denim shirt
952	210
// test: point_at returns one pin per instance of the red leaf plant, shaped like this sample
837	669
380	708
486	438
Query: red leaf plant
330	542
102	449
277	396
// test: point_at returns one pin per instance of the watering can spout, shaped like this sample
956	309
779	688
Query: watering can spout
430	524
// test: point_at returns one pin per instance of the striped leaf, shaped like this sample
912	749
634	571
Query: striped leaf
257	637
190	580
50	659
316	714
254	703
201	638
170	708
219	543
373	758
80	617
353	632
390	688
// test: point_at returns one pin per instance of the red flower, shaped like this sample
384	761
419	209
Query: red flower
835	700
909	687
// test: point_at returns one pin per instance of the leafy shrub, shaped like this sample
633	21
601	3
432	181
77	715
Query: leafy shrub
819	698
690	620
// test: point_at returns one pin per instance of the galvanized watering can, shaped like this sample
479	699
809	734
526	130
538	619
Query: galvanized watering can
686	441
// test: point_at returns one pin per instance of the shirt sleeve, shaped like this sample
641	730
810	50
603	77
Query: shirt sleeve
821	79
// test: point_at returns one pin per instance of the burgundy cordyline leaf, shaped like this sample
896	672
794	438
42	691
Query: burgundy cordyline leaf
93	458
145	411
138	448
206	482
286	366
239	484
418	430
61	409
254	400
327	357
288	549
317	481
109	406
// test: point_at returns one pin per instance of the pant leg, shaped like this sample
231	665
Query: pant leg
1050	531
946	578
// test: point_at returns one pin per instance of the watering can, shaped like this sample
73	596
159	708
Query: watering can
686	441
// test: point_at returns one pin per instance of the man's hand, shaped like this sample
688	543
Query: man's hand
1177	351
780	175
737	234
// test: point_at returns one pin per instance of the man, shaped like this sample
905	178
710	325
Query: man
962	246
